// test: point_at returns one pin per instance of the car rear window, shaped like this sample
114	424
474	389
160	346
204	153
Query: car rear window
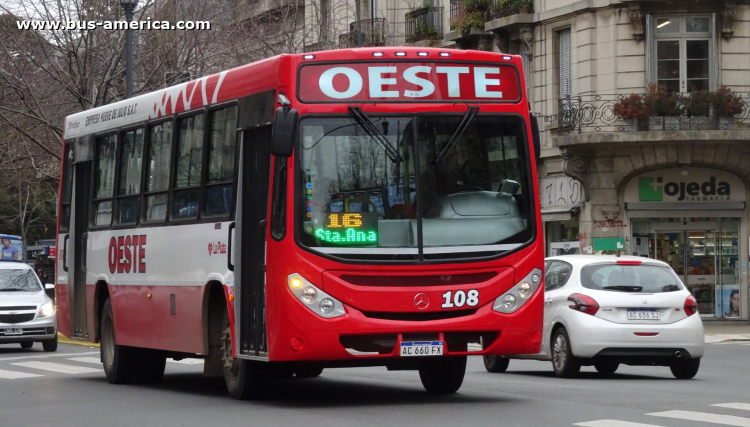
642	278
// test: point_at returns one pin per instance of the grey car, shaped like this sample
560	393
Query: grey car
27	314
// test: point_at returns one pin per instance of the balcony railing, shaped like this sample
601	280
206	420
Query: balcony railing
502	8
612	113
316	47
373	34
457	9
424	24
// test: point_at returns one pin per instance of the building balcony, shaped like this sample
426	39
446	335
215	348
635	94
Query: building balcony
373	34
424	24
505	14
639	118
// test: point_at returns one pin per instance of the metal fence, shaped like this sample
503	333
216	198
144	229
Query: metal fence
501	8
424	24
612	113
457	9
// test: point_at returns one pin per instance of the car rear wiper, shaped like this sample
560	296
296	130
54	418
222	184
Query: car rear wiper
375	134
462	125
623	288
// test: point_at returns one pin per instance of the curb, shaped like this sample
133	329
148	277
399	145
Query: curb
65	340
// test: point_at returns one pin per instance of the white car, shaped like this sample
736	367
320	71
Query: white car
27	314
604	310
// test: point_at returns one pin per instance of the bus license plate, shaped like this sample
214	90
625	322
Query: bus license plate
13	331
644	315
422	348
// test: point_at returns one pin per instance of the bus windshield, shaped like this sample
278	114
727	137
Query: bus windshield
406	186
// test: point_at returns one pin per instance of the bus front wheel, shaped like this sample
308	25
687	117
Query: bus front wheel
120	362
245	379
443	375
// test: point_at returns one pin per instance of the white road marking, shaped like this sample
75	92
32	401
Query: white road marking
12	375
57	367
187	361
727	420
94	360
613	423
46	356
743	406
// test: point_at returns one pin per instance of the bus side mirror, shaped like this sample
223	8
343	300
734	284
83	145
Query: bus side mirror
535	136
284	132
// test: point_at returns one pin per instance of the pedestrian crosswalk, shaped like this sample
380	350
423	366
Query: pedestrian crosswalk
701	417
41	365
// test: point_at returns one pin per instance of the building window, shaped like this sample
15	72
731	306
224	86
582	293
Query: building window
683	52
564	63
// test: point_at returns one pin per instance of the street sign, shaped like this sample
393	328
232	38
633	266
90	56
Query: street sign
609	244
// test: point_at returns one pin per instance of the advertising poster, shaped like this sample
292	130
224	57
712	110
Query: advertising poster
728	301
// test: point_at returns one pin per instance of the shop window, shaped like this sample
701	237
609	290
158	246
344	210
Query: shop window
158	168
104	179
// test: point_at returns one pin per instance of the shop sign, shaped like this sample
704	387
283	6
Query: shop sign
699	185
609	244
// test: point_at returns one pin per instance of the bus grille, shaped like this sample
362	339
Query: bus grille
419	317
16	318
411	281
369	344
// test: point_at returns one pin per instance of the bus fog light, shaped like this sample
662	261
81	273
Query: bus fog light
326	306
309	295
524	290
509	301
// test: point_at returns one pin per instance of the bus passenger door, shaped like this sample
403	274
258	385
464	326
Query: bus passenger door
251	238
77	247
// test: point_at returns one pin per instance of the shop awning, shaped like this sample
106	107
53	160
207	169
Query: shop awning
558	214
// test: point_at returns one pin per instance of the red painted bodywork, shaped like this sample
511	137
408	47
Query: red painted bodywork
294	332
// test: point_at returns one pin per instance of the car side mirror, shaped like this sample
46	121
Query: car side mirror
284	132
49	287
535	136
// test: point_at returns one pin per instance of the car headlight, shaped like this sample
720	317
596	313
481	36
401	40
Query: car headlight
47	310
313	298
519	294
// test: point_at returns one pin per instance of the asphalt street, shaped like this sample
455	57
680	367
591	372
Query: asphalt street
68	388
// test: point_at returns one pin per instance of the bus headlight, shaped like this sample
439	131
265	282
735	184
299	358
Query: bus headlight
315	299
518	295
46	310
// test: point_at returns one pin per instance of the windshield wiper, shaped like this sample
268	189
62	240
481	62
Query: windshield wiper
624	288
462	125
14	290
375	134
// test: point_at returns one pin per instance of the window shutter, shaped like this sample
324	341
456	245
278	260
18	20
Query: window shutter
650	51
525	58
566	83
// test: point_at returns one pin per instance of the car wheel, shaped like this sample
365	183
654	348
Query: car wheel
308	371
120	362
50	345
245	379
606	367
443	375
685	370
564	363
27	345
496	364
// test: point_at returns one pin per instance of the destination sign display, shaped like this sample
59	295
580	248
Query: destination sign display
349	228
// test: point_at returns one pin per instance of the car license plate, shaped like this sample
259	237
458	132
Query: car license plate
644	315
13	331
422	348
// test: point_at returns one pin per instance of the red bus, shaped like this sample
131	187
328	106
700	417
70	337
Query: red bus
366	207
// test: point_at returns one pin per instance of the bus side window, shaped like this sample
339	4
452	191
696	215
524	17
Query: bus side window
67	186
221	160
186	196
158	165
278	199
131	160
104	179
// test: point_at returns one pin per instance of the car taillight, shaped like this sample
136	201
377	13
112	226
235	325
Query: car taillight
584	304
691	306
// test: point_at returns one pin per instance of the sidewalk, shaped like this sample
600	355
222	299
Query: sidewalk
718	332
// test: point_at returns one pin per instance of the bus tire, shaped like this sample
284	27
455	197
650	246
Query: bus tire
153	364
50	345
245	379
310	371
27	345
443	375
496	364
120	362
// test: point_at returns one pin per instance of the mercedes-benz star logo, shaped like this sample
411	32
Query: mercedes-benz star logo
421	301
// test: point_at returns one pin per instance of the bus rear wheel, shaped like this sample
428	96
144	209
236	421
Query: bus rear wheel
153	364
120	362
245	379
443	375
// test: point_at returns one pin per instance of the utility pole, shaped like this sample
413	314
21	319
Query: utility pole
359	23
129	7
